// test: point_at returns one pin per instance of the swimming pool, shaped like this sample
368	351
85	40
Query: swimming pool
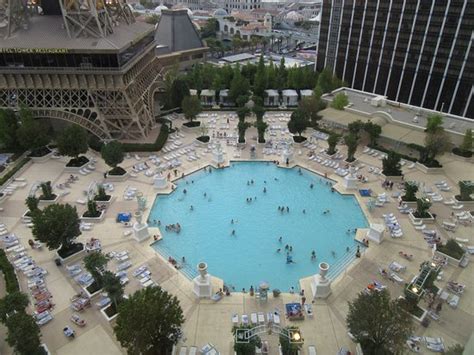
250	256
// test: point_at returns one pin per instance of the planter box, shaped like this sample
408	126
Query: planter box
423	316
186	129
468	205
73	169
451	261
91	295
410	204
71	257
201	144
427	170
393	178
42	159
107	203
430	220
109	319
118	178
49	202
93	219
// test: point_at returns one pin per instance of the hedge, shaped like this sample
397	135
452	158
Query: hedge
149	147
11	281
13	171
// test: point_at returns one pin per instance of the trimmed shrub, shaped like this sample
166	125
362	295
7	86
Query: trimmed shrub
11	282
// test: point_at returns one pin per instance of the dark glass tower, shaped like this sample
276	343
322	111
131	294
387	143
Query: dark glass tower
419	52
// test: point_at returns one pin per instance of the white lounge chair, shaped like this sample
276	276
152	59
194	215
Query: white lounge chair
183	350
261	318
254	318
311	350
245	319
454	301
235	319
395	266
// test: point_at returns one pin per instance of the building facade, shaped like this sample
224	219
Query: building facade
87	71
412	51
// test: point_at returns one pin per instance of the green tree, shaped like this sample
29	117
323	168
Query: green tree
32	204
11	303
179	90
298	122
373	130
287	347
31	134
259	112
332	142
243	348
72	142
391	164
239	86
191	106
154	310
281	75
340	101
57	226
355	127
351	142
91	209
113	287
242	127
242	112
210	28
95	263
325	80
261	128
411	188
436	142
47	191
379	324
260	82
434	123
466	189
422	207
310	107
466	145
24	334
8	128
112	153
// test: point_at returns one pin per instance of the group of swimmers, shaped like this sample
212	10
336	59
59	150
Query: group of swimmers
173	228
249	199
326	211
283	209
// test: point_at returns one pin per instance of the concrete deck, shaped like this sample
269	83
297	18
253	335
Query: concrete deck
207	321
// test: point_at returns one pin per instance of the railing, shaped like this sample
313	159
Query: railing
186	269
342	264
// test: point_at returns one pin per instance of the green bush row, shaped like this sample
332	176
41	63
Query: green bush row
385	150
11	281
149	147
13	171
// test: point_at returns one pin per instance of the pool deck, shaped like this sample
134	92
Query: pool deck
208	321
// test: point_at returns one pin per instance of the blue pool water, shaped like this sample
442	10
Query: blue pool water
250	255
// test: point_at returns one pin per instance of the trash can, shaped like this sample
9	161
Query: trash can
58	262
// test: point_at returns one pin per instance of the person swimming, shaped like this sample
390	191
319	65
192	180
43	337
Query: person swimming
264	190
233	232
278	250
279	239
347	249
287	209
313	255
184	191
311	186
289	259
191	208
333	253
287	247
291	248
205	194
304	211
232	221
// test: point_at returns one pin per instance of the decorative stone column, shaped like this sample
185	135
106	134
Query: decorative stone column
320	285
159	181
350	180
218	154
140	230
376	233
202	286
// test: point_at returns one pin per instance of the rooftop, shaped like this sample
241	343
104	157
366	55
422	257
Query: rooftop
410	116
48	32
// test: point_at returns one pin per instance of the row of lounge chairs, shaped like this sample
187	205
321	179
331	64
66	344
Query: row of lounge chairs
257	318
391	222
22	262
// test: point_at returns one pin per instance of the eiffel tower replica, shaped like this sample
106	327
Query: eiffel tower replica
83	61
